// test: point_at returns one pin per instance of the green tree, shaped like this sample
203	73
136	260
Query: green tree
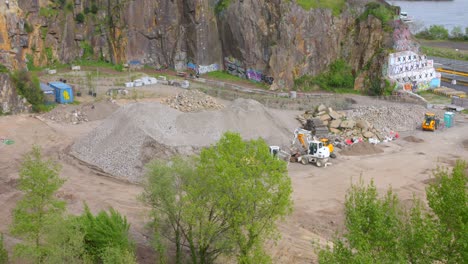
225	202
3	251
438	32
39	180
448	199
456	33
27	85
378	231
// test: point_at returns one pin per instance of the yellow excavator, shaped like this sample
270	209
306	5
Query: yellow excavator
430	123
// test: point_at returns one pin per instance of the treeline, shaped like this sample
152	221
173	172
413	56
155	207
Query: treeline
438	32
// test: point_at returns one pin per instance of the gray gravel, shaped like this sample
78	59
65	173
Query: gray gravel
398	118
139	132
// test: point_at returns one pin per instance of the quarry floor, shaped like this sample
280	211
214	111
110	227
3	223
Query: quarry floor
318	193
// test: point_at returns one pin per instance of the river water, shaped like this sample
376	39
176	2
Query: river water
425	13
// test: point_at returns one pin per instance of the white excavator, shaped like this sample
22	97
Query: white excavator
311	150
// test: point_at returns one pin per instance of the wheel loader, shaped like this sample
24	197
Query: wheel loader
430	123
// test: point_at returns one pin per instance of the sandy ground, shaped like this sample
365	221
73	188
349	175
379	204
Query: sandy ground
318	192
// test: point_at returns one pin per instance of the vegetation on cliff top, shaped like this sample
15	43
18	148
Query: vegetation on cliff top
336	6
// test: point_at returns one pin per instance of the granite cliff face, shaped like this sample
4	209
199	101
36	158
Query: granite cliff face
276	37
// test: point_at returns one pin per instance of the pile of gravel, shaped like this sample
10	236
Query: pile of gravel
403	117
76	114
140	132
192	101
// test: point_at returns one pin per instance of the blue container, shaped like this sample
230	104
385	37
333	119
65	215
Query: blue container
448	119
63	92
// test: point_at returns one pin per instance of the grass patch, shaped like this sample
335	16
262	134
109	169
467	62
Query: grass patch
433	98
48	12
445	53
224	76
465	111
336	6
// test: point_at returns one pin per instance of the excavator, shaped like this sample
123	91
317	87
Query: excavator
311	149
430	123
326	143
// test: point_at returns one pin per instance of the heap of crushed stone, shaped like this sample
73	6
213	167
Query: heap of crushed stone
140	132
192	101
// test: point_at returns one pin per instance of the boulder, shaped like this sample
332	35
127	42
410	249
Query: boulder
348	124
325	117
321	113
363	124
322	108
334	115
335	131
335	123
368	134
325	123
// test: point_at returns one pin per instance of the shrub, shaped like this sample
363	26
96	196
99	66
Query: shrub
3	69
86	10
3	252
105	230
338	76
80	18
27	85
94	9
435	32
379	11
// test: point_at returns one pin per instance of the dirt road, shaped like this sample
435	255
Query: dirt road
318	192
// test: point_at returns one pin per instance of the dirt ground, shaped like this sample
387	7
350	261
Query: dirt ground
405	165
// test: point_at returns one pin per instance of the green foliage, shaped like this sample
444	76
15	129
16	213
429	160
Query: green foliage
94	9
64	242
378	10
378	231
380	87
338	76
27	85
445	53
80	18
448	199
39	180
106	230
44	31
3	251
457	33
336	6
112	255
69	6
49	54
28	28
86	10
88	51
3	69
48	12
226	202
119	67
435	32
221	6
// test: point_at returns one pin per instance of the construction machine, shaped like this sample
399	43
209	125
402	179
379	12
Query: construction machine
326	142
430	123
311	150
278	153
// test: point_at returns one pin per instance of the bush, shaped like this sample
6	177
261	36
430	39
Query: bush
3	69
435	32
379	11
80	18
27	85
105	230
338	76
94	9
86	10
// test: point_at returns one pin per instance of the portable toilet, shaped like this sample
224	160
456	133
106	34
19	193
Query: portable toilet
448	119
63	92
49	93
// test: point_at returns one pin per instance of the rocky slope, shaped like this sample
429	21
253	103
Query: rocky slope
277	37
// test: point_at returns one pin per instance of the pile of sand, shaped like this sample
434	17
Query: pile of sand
140	132
360	149
413	139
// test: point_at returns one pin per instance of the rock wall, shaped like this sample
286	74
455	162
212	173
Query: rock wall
10	101
276	37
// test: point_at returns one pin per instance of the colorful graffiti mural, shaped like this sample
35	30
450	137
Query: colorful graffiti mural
412	71
234	67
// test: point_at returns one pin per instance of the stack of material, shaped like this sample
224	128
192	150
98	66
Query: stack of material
140	132
192	101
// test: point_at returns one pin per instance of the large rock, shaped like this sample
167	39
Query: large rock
325	117
335	115
321	108
362	124
335	123
368	134
335	131
348	124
